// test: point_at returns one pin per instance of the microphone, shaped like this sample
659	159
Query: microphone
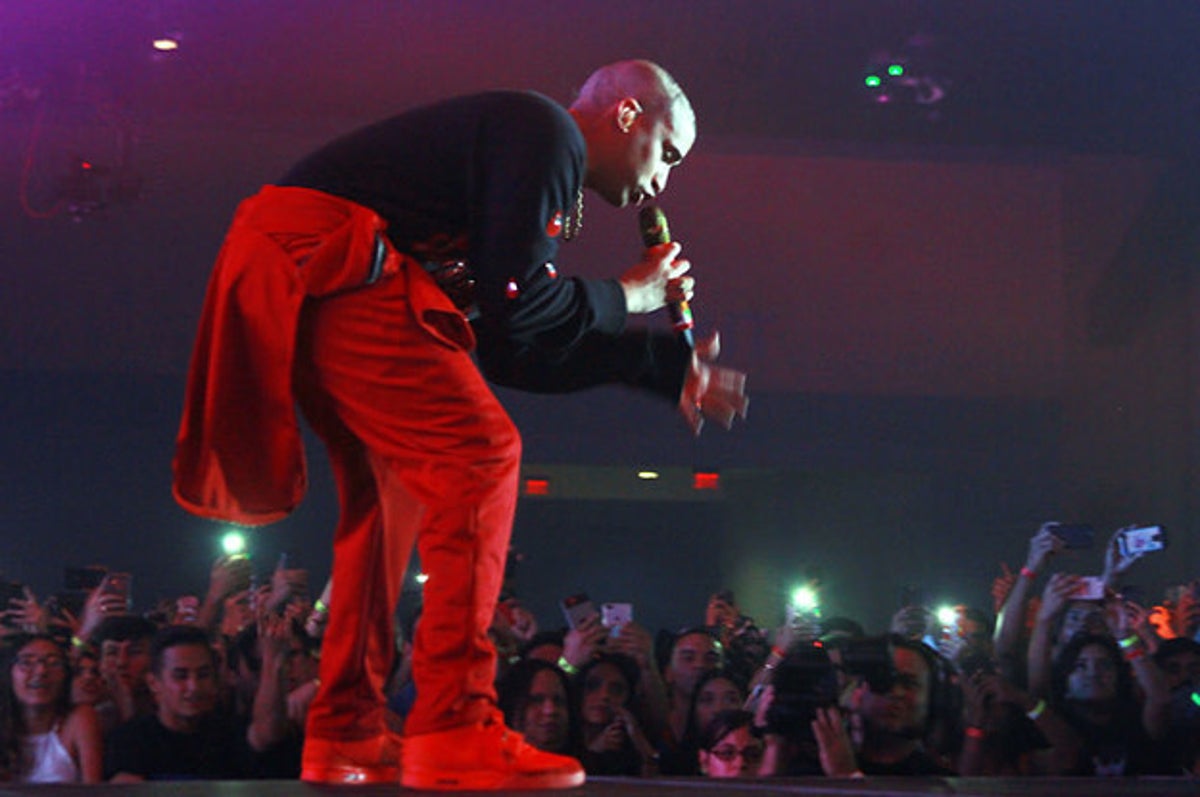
653	224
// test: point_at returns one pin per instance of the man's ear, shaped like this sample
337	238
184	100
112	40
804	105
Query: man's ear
628	110
153	684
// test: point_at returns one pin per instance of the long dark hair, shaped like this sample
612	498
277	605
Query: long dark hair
721	725
624	664
1125	704
691	732
12	718
513	694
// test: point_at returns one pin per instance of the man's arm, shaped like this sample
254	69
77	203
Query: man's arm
1054	598
1011	620
268	718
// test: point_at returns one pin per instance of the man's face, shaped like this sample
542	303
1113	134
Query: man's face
126	661
692	657
904	709
1182	668
185	688
545	720
634	159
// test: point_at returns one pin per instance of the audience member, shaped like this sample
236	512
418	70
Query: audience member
1067	684
692	653
716	691
535	699
611	738
727	747
187	737
87	685
893	722
124	645
43	738
1092	685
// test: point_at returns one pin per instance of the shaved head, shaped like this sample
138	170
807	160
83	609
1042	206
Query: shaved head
646	81
638	125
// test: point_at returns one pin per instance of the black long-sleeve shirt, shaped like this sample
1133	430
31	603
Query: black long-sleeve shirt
488	179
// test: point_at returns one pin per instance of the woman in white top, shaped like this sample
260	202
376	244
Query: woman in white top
43	739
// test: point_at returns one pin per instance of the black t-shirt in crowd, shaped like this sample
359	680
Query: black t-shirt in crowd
218	750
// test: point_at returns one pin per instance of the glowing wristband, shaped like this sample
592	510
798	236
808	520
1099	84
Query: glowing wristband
1029	574
974	733
319	607
1133	654
1129	642
565	665
1037	710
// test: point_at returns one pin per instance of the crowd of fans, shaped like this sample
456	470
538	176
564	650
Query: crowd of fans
1077	678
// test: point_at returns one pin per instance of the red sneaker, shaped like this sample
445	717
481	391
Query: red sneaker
484	756
373	760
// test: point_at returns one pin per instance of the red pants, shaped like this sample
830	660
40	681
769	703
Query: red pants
422	453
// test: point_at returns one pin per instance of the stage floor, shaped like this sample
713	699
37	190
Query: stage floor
664	787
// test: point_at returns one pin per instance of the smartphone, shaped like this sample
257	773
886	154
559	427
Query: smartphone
118	584
85	578
71	601
1090	588
8	591
1074	535
577	608
1141	539
615	615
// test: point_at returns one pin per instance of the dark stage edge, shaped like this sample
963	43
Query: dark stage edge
668	787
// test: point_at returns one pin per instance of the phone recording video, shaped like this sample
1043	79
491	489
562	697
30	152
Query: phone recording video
1141	539
577	608
614	616
1075	536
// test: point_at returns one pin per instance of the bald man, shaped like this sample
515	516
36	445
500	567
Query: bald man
358	287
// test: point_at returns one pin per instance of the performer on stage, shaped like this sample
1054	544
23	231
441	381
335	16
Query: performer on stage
358	287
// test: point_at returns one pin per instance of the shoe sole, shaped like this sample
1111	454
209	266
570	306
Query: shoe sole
490	781
350	775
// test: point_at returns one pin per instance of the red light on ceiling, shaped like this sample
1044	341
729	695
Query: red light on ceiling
537	487
706	480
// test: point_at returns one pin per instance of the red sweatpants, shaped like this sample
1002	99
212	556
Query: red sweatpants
422	453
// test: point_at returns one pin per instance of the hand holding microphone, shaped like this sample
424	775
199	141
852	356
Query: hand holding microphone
709	391
658	278
655	232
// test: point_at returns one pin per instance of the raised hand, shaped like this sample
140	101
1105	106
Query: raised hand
711	392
